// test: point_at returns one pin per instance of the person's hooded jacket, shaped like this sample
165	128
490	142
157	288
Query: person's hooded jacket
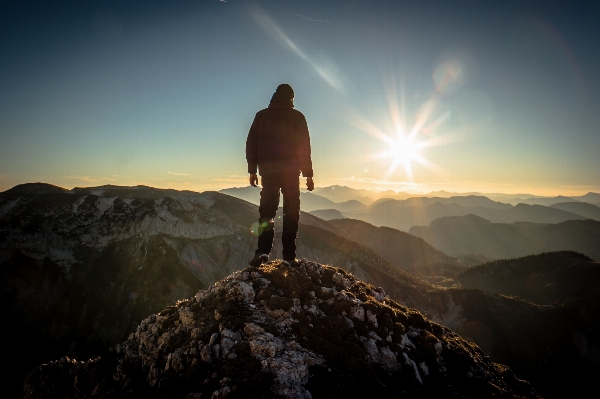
278	141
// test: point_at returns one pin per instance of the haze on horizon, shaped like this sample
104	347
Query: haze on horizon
411	96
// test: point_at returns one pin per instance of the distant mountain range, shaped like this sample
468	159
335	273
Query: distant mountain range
308	201
338	194
343	194
402	216
82	267
591	198
405	213
458	235
581	208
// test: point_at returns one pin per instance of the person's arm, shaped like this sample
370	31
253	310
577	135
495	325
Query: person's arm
304	157
252	152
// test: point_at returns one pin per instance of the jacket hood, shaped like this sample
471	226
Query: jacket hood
280	102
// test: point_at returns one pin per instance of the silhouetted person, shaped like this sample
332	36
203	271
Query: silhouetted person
278	144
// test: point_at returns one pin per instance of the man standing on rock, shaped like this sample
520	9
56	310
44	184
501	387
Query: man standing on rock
278	144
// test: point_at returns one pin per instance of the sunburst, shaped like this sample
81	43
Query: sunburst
403	150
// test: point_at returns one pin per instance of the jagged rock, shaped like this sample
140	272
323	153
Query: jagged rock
372	317
372	351
389	360
278	334
186	316
340	279
251	329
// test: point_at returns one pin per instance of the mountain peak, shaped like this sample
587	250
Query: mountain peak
34	188
277	331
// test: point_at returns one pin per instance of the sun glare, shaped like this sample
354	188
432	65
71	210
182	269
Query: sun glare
430	128
403	150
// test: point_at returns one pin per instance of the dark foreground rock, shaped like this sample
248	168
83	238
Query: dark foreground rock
275	331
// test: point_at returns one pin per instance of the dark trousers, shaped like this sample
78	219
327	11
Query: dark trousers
289	184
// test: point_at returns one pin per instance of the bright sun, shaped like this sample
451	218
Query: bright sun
403	150
403	146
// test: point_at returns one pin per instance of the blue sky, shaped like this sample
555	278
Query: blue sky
504	95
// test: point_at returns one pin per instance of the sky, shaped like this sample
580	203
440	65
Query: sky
413	96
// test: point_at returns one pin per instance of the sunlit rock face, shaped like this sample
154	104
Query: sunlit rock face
306	332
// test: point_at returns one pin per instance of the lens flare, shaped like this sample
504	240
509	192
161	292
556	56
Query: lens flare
404	146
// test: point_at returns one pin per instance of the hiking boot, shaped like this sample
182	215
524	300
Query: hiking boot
291	262
258	260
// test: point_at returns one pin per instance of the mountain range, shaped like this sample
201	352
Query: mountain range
459	235
339	194
309	201
398	215
81	268
403	214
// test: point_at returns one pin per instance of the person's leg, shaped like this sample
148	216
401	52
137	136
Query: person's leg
269	202
291	214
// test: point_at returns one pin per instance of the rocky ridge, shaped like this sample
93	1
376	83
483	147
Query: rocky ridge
277	331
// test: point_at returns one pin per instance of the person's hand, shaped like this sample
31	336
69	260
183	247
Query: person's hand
310	184
253	180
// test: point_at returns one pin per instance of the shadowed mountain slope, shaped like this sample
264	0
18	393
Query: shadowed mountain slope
311	202
542	279
472	234
400	249
274	331
248	193
327	214
568	331
581	208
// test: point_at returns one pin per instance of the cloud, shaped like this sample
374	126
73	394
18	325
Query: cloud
580	186
477	183
179	174
369	180
228	179
90	179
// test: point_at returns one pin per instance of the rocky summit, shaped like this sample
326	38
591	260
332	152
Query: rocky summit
283	332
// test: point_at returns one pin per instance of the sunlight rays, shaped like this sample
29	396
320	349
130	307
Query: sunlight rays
326	70
404	149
